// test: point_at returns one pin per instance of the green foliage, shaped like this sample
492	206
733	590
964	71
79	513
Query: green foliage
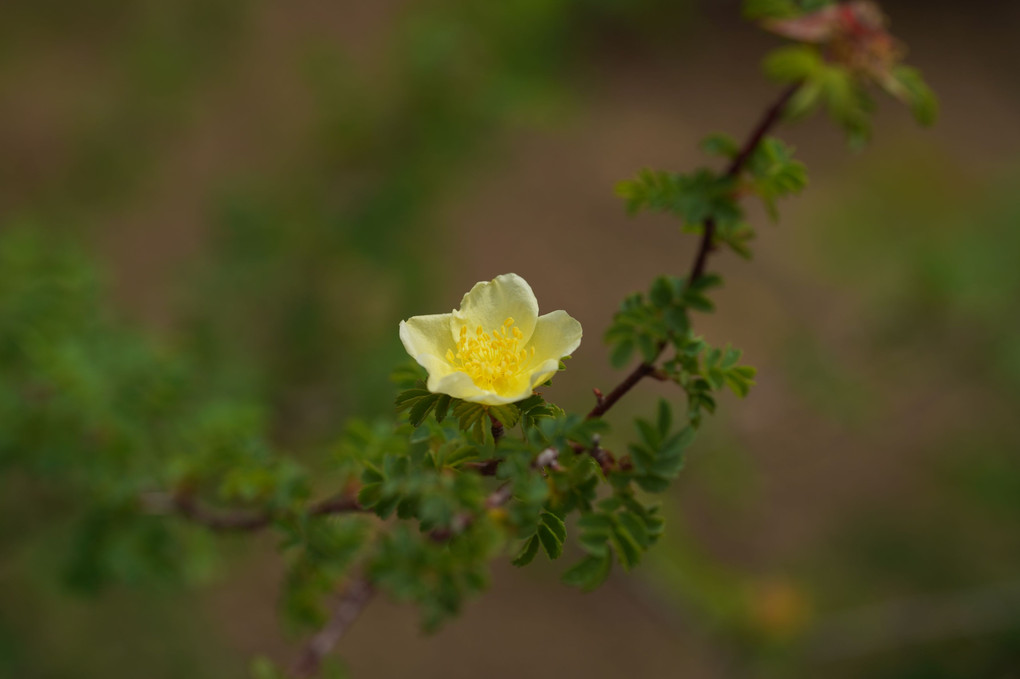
437	576
534	409
840	82
794	64
620	527
774	173
700	369
694	198
551	533
658	457
704	197
590	572
822	83
911	87
320	551
648	324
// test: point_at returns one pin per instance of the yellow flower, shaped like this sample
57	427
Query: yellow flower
495	349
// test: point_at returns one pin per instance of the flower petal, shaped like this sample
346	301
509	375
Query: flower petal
489	304
456	384
544	371
427	339
460	385
556	335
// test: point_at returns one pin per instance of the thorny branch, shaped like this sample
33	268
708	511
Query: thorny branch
186	505
706	246
347	609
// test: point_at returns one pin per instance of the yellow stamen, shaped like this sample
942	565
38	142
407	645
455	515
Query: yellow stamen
491	359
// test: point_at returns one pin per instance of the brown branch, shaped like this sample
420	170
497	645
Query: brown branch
487	467
736	166
186	505
636	375
361	590
347	609
497	430
706	246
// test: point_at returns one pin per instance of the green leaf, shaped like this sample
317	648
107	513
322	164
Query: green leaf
473	418
678	442
552	546
442	406
664	420
730	358
621	354
775	173
847	102
649	435
556	525
589	573
675	318
720	145
409	397
421	409
793	63
508	415
740	379
534	409
453	453
649	347
527	553
908	84
693	197
661	294
594	529
737	235
627	548
652	483
635	527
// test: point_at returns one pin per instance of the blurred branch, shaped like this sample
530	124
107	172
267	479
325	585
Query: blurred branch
352	601
361	590
187	506
768	120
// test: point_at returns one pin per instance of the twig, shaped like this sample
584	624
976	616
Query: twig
497	430
487	467
360	591
353	600
186	505
736	166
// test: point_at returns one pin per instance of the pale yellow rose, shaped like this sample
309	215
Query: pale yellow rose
495	349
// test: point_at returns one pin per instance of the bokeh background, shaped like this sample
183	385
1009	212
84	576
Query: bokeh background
269	187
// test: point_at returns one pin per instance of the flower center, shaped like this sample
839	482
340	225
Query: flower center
491	359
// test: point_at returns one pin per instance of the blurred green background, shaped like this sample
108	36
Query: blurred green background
262	190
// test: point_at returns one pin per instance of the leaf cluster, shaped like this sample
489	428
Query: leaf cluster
419	403
705	196
648	323
842	89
